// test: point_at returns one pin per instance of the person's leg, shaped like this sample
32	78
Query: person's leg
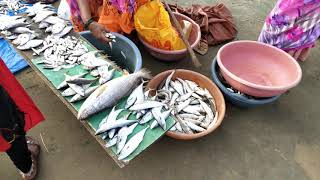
20	154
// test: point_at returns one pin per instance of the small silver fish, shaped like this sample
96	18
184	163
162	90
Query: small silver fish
185	96
168	80
94	73
22	30
183	105
132	144
53	20
106	76
79	89
30	44
112	142
87	93
116	124
81	81
48	29
64	32
68	77
136	95
192	110
57	28
194	127
42	15
68	92
177	86
146	118
43	25
174	97
123	135
146	105
207	109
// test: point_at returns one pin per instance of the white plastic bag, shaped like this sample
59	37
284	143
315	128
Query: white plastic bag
64	10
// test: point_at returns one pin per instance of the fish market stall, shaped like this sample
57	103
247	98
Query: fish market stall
62	60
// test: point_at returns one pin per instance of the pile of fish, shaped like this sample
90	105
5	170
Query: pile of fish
61	52
13	6
117	130
16	28
47	18
193	107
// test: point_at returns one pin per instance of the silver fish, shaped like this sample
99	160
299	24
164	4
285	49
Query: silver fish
94	73
106	76
64	32
174	97
22	39
57	28
53	20
207	109
110	93
123	135
136	93
191	116
94	62
68	77
185	128
196	122
191	84
14	24
42	15
21	30
43	25
214	120
146	105
192	110
116	124
156	112
196	96
132	144
87	93
30	44
154	124
178	127
112	142
185	97
48	29
12	37
112	113
194	127
195	102
79	89
164	116
177	86
146	118
81	81
183	105
168	80
68	92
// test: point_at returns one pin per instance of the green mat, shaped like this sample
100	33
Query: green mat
151	135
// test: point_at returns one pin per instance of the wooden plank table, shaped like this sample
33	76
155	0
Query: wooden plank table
92	123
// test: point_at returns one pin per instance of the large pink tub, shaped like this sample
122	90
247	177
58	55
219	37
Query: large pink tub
258	69
175	55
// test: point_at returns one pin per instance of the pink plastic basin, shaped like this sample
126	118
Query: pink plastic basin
258	69
175	55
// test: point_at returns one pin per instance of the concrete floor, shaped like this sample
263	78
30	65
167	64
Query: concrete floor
277	141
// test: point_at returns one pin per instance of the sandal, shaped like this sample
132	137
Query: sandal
34	148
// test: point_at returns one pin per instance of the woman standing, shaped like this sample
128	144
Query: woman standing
293	26
18	114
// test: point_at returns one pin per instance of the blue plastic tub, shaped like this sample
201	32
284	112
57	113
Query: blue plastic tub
234	98
130	58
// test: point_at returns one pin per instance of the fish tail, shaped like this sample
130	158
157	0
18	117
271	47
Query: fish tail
145	73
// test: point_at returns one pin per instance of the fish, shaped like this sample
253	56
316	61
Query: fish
13	24
106	76
43	25
156	112
195	102
185	96
178	127
132	144
183	105
12	37
174	97
22	30
146	118
194	127
81	81
191	116
31	44
57	28
184	85
42	15
136	94
108	94
207	109
64	83
123	135
68	92
94	73
154	124
79	89
185	128
192	110
87	93
64	32
22	39
112	142
168	80
148	104
116	124
164	116
196	122
94	62
191	84
48	29
214	121
53	20
177	86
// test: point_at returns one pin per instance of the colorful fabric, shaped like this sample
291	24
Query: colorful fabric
115	15
25	104
292	25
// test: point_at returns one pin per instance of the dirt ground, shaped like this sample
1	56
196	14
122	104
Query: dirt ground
277	141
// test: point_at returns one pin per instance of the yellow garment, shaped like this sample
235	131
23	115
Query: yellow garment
152	22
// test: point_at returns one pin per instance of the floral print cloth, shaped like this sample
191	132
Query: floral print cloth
292	25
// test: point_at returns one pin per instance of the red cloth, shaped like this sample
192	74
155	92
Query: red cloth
25	104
